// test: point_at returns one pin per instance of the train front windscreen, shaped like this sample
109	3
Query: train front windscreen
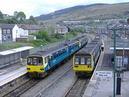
82	60
34	61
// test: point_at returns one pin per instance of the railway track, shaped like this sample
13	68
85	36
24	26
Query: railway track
17	92
30	83
22	88
52	83
78	88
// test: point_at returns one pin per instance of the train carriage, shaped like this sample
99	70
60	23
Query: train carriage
84	61
40	63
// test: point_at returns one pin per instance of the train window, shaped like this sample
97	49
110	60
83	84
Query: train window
40	61
35	61
88	60
29	61
82	60
52	57
48	58
77	60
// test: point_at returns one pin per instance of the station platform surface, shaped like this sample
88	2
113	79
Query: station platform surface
101	82
9	74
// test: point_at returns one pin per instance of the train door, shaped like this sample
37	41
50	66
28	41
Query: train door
46	62
49	60
92	61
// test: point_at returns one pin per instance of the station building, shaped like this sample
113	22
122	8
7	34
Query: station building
14	56
122	54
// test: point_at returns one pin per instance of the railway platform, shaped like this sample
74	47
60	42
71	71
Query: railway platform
6	77
12	64
10	80
101	82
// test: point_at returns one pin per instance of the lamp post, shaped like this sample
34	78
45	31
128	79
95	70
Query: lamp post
116	87
114	65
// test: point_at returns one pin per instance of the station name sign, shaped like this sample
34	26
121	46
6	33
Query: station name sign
104	74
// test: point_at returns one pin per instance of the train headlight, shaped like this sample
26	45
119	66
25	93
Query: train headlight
41	69
89	66
28	68
75	66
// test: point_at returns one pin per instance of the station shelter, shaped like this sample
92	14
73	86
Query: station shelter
13	56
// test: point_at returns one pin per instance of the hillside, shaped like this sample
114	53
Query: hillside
93	11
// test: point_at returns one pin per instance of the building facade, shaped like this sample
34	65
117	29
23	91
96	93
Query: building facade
61	29
31	28
10	33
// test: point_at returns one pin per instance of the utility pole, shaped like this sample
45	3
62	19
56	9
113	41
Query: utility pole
114	65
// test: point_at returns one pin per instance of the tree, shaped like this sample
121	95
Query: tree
43	35
21	17
14	20
128	20
15	14
32	20
1	15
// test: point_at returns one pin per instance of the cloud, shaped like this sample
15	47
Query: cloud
9	6
37	7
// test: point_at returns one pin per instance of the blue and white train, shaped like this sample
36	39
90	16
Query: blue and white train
40	63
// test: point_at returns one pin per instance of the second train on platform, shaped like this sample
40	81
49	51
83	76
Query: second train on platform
85	60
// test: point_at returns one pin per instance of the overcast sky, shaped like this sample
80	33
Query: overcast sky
38	7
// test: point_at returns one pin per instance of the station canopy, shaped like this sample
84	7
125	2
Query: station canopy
120	45
16	50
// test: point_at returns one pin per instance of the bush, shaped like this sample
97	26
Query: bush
43	35
39	42
44	38
58	36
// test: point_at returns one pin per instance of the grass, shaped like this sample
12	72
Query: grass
36	43
6	46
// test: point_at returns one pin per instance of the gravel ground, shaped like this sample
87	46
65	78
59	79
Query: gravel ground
60	87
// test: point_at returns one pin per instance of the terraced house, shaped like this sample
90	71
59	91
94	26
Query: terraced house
10	32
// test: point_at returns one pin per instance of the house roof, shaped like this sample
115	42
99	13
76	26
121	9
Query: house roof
7	26
30	27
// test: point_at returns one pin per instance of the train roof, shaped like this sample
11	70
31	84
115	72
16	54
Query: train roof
89	48
49	51
16	50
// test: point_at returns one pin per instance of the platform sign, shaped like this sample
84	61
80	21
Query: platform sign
104	74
